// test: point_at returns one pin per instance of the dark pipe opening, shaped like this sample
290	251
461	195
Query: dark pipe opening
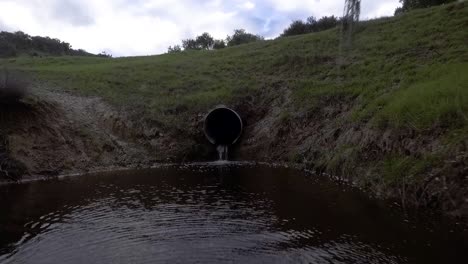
223	126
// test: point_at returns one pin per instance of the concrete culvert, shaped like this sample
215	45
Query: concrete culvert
223	126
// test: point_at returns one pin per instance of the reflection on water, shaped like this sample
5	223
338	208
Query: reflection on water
209	213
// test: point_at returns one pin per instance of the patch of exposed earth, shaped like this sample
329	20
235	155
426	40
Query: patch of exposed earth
55	133
51	133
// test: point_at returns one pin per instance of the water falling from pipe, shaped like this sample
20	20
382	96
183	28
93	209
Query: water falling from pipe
222	152
222	127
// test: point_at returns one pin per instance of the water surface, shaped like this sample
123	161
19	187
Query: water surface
210	214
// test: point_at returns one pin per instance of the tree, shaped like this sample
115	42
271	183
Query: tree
205	41
219	44
190	44
240	36
13	44
104	54
297	27
413	4
399	11
174	49
311	20
325	23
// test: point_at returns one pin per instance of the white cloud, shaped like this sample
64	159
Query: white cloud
247	5
141	27
384	8
313	7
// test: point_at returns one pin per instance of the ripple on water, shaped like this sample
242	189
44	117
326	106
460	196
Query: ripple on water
199	213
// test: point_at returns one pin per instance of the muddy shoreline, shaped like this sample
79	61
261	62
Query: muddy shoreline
35	178
54	133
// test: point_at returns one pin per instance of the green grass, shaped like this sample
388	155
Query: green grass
403	170
409	70
442	100
407	73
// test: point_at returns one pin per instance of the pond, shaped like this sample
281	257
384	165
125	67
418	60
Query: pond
207	213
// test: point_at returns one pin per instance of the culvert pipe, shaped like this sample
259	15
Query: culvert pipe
222	126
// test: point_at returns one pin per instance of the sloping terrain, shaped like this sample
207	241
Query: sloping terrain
390	113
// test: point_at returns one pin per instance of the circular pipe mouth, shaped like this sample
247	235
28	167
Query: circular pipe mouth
223	126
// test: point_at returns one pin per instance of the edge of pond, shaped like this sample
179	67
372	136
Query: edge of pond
427	217
297	166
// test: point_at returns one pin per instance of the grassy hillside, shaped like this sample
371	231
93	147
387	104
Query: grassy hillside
406	73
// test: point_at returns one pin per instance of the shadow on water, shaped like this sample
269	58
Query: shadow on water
210	212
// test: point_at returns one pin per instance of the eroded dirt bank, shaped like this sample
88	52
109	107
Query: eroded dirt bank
49	134
417	168
52	133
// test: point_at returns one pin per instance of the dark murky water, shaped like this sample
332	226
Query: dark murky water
210	214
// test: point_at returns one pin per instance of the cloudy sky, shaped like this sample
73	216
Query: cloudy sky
143	27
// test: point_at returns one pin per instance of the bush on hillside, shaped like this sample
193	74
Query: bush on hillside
104	54
413	4
205	41
399	11
219	44
190	44
241	36
13	87
17	43
299	27
174	49
325	23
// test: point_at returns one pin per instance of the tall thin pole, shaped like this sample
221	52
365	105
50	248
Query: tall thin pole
351	13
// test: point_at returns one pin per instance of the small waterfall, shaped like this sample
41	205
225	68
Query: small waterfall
222	152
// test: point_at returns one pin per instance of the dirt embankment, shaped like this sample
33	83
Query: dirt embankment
414	167
49	134
57	133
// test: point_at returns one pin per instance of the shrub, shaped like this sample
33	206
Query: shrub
325	23
18	43
399	11
219	44
104	54
413	4
240	36
13	87
205	41
190	44
299	27
175	49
